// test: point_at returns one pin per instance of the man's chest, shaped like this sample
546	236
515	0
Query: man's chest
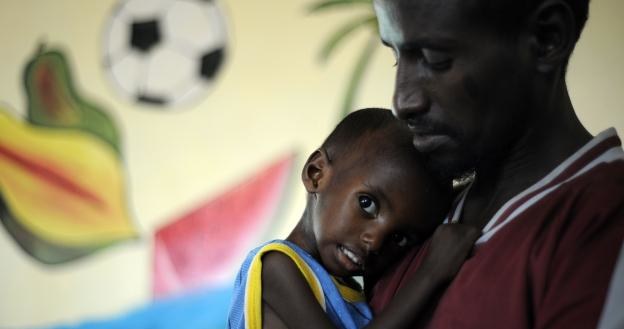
495	286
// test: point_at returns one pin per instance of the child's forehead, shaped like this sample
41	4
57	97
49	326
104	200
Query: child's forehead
383	170
375	153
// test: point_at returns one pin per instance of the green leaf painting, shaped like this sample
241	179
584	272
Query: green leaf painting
364	21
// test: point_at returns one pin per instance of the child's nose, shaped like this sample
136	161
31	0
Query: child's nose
373	238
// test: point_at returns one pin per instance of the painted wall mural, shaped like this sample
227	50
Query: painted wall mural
166	53
204	246
64	197
365	20
63	182
62	186
196	255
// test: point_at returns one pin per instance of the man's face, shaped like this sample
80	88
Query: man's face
460	85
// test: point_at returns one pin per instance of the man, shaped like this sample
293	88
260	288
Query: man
481	84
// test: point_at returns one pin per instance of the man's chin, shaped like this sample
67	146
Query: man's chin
458	170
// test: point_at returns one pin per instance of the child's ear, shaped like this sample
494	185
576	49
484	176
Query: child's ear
316	171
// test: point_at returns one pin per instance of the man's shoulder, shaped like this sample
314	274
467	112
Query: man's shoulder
603	184
589	207
585	209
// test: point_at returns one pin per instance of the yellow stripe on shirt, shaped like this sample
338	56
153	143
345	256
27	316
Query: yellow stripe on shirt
253	293
349	294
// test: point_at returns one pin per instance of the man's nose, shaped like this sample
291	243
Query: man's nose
410	94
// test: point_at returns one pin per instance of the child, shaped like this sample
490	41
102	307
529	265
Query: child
368	200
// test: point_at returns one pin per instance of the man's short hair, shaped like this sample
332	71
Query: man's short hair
510	14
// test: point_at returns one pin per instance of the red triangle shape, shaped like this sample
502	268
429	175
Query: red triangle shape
207	244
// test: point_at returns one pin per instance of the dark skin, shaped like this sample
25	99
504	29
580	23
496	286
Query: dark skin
479	100
353	213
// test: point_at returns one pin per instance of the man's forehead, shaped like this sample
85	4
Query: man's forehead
387	20
406	21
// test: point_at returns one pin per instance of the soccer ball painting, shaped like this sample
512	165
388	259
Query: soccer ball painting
166	53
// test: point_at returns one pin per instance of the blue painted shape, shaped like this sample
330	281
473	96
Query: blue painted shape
204	309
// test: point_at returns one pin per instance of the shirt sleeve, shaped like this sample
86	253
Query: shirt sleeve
612	315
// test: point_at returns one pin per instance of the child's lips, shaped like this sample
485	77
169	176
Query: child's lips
352	259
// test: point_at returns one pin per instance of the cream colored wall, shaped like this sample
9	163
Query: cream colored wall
596	78
272	97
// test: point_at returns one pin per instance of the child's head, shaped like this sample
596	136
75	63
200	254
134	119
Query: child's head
368	193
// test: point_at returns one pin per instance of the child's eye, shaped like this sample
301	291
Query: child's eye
368	204
400	240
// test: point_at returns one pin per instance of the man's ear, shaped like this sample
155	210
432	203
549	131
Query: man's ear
316	172
553	34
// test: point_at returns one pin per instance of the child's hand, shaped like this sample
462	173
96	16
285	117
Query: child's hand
449	247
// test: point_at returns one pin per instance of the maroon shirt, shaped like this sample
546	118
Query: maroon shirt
545	259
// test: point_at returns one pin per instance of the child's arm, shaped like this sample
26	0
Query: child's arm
288	301
450	245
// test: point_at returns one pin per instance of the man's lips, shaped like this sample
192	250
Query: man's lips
427	143
429	135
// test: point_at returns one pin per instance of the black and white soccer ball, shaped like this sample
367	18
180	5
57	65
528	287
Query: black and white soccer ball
166	53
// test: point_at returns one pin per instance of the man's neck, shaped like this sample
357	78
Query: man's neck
540	150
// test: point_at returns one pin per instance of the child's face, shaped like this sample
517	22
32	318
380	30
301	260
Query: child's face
369	208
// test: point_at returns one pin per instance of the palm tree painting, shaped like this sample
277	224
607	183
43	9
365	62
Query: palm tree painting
366	20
